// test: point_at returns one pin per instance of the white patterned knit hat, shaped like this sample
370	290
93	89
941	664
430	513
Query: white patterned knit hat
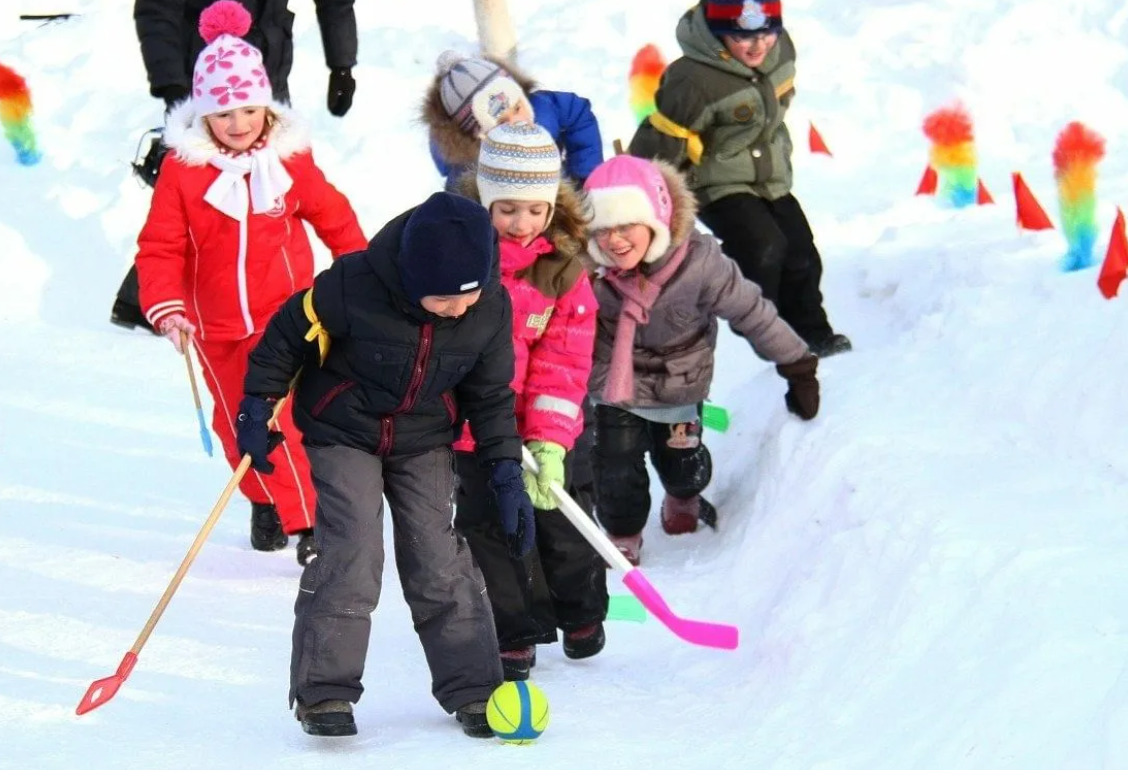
520	162
476	92
229	72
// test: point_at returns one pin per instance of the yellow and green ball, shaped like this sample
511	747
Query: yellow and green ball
517	712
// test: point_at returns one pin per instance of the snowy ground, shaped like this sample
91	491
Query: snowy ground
931	575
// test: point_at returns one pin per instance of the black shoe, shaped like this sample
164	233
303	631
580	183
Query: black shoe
584	642
830	345
515	664
307	547
129	317
472	717
331	718
266	528
708	514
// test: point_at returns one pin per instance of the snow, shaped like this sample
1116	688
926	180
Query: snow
930	575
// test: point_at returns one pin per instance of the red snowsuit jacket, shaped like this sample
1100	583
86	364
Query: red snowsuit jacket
191	259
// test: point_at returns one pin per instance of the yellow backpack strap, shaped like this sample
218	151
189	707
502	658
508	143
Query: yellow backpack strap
694	147
316	330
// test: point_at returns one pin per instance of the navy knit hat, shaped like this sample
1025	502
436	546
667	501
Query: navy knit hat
447	248
743	17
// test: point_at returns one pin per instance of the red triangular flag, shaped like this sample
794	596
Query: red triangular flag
815	140
1030	214
1116	259
982	197
927	184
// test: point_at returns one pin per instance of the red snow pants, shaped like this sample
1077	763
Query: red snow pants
289	488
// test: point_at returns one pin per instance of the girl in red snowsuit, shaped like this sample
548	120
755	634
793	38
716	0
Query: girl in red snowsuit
562	583
224	246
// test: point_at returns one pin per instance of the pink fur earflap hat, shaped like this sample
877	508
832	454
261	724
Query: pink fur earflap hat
627	190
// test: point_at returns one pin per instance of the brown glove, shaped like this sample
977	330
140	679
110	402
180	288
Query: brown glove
802	397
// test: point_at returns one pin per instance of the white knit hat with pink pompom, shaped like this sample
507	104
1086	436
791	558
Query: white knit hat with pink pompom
229	71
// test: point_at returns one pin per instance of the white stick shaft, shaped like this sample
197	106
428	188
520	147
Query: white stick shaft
581	521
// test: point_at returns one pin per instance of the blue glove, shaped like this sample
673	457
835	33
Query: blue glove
253	434
515	508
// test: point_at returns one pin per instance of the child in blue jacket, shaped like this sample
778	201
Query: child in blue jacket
469	96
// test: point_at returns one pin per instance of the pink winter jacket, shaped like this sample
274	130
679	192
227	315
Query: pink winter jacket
554	315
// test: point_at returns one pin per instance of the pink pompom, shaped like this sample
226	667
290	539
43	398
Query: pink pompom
224	17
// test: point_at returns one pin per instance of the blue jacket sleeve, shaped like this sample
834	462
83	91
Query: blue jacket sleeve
440	164
568	117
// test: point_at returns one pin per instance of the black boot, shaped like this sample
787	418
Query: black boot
330	718
515	664
830	345
472	717
708	514
129	317
584	642
307	548
266	528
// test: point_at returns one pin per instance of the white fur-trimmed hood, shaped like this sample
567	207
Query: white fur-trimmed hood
186	135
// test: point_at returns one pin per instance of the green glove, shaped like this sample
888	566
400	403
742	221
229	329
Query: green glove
550	459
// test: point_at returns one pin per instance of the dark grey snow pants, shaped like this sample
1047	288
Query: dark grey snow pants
341	587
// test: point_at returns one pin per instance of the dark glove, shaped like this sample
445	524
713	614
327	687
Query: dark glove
515	508
253	434
173	95
341	90
802	386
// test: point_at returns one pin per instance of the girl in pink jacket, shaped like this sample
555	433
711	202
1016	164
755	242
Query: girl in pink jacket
562	583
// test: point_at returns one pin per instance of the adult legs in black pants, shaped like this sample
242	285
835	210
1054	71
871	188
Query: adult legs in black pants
127	304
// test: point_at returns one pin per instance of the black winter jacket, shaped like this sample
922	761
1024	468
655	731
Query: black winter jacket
170	39
397	379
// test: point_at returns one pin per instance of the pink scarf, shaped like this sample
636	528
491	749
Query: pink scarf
639	293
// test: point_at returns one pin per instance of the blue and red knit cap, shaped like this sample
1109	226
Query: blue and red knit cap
447	248
743	17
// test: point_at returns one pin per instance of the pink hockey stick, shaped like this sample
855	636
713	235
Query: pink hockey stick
717	635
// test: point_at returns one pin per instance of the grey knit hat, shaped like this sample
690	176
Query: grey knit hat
476	92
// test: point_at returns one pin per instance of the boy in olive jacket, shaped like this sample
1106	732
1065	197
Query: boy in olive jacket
719	118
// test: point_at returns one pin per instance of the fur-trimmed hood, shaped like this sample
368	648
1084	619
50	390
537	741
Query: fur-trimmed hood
683	216
456	147
187	136
568	227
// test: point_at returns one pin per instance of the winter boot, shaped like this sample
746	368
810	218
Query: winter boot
679	514
830	345
630	546
516	663
708	513
472	717
266	528
584	642
307	548
328	718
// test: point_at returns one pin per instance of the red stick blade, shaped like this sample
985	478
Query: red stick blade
100	691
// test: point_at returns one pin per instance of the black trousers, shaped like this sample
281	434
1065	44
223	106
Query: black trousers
773	244
129	292
622	485
561	583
